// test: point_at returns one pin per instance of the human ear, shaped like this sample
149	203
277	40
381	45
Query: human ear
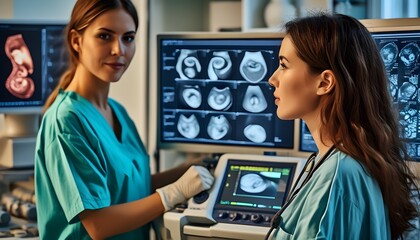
326	82
75	40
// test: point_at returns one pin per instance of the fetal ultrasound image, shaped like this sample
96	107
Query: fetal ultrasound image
19	82
220	65
188	126
253	67
219	127
255	183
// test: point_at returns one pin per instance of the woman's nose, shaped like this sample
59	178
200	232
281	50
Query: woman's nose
117	48
272	80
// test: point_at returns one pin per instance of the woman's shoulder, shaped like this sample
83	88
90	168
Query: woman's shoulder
62	105
353	176
66	111
347	165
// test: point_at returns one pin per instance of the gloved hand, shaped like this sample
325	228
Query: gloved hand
194	180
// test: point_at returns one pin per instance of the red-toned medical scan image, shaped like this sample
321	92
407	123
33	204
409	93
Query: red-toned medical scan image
19	82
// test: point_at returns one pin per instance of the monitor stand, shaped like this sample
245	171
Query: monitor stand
17	140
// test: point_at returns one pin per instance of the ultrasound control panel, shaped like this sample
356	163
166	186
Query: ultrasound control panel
248	190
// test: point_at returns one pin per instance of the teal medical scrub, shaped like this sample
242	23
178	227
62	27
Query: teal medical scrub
340	201
81	164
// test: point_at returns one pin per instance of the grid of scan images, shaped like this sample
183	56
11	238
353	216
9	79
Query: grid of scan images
401	59
220	95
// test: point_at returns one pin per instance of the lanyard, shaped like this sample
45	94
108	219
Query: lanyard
313	167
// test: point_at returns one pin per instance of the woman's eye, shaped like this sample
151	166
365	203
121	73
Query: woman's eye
282	66
104	36
129	38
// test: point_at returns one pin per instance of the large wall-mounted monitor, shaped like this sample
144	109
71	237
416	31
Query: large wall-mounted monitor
399	45
213	93
32	59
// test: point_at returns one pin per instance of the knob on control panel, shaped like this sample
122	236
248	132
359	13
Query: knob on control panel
242	217
256	218
201	197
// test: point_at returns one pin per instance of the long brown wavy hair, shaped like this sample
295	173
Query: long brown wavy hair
84	12
359	113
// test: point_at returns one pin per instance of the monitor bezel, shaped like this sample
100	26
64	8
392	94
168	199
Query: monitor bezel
30	109
214	147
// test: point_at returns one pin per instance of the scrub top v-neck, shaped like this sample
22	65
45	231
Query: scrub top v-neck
81	164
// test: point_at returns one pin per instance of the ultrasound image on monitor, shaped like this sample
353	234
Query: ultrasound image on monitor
32	58
255	185
21	71
216	91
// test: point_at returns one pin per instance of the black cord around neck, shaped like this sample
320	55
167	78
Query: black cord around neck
275	221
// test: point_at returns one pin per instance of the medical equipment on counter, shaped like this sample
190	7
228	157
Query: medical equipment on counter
247	192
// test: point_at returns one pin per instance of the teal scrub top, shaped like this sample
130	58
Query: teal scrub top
81	164
340	201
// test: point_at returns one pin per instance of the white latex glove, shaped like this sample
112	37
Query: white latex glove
195	180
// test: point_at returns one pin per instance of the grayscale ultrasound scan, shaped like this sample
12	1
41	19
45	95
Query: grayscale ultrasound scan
191	95
257	184
220	99
389	54
188	126
253	67
218	127
409	54
255	133
188	66
254	100
220	65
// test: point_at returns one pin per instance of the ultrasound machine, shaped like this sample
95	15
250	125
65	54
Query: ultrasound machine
214	97
247	192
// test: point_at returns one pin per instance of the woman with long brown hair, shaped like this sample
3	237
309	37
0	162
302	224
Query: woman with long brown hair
332	76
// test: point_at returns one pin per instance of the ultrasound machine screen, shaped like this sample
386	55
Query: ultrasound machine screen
213	89
253	187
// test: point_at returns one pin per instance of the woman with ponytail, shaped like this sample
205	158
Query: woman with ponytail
92	172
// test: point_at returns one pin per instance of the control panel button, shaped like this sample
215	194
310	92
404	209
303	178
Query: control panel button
223	215
256	218
235	216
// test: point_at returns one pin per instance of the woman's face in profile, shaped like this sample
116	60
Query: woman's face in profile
295	86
